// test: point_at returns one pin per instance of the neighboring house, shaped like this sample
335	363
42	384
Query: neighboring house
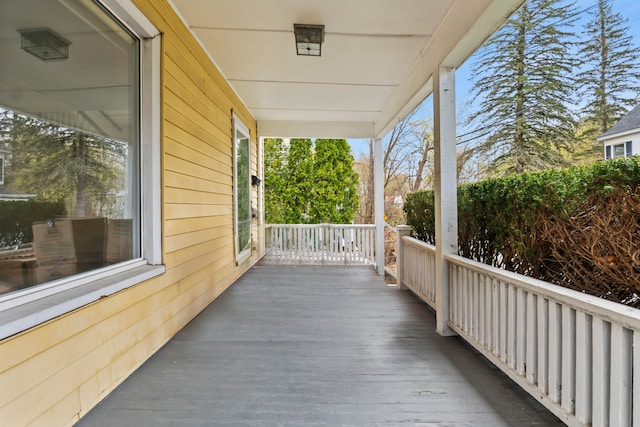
6	193
623	139
395	200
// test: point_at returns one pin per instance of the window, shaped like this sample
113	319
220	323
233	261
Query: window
241	190
1	168
80	117
618	150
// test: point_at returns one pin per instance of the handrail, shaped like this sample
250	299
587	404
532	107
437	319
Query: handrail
316	244
322	225
577	354
592	305
419	269
393	229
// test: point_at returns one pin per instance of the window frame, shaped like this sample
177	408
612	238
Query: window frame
27	308
610	149
244	253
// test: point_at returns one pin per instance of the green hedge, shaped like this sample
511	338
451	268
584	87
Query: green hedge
16	218
506	222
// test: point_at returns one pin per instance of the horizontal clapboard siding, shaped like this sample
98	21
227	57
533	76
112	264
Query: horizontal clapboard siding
59	370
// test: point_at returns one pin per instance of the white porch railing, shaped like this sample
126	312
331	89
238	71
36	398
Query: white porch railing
315	244
418	269
577	354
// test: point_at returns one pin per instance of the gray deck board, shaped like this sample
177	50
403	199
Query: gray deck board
316	346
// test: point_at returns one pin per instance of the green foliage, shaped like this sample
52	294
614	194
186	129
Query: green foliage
334	195
299	172
499	220
275	180
17	217
58	163
309	186
523	77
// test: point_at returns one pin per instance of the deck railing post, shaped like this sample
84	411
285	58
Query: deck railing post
402	230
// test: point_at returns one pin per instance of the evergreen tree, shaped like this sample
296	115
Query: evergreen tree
334	194
299	181
610	80
274	180
306	187
523	75
58	163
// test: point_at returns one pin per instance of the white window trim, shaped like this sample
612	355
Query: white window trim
239	125
27	308
612	148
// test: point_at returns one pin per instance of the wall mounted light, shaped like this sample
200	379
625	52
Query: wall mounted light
45	44
255	181
309	39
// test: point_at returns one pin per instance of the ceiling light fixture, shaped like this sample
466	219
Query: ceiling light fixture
309	39
45	44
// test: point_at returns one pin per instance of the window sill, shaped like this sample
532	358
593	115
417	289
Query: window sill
41	304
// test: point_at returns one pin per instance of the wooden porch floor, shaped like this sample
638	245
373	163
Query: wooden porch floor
316	346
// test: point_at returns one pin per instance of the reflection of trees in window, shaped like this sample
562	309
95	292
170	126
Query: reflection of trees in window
58	163
243	194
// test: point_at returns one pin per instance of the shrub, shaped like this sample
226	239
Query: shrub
526	224
16	218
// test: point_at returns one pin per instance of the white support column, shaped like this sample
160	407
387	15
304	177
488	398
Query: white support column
378	198
446	203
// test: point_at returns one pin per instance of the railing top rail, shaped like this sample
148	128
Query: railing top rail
355	226
412	241
613	312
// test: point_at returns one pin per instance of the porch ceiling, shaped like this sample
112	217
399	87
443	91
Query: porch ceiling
377	59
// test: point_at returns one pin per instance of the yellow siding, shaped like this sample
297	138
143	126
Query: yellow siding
56	372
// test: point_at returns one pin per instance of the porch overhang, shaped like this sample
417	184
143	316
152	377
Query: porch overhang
378	57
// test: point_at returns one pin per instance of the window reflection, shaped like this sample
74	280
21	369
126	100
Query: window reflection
69	194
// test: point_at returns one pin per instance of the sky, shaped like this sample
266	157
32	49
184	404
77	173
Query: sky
630	9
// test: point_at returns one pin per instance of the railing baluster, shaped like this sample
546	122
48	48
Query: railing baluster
521	333
621	376
512	325
568	359
503	315
495	289
476	305
543	344
555	351
601	371
583	367
635	388
453	296
465	299
459	300
482	315
488	314
532	339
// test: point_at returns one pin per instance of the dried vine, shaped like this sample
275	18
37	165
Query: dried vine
596	249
